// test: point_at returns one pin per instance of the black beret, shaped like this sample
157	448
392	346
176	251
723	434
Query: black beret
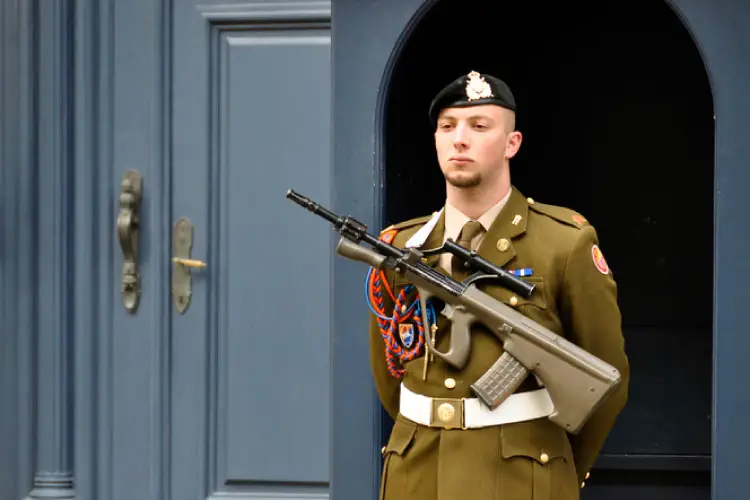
473	89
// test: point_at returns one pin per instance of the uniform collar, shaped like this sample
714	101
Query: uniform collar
497	244
455	219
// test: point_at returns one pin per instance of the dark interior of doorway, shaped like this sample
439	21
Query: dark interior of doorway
617	116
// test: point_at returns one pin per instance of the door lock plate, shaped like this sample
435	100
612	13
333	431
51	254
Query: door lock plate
182	242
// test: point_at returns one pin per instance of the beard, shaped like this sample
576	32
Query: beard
463	179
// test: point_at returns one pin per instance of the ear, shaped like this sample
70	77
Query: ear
513	144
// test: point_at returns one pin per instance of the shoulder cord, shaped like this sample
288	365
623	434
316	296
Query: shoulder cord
394	349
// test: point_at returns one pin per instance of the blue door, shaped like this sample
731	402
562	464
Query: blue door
165	309
219	376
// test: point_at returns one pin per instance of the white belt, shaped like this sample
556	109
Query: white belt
469	413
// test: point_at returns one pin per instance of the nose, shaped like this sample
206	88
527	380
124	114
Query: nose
460	139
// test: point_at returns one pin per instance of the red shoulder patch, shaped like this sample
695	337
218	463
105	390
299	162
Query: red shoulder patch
599	262
388	235
579	219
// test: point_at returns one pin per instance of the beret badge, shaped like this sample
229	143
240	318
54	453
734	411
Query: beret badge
477	87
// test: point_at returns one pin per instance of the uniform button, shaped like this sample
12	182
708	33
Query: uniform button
382	450
544	458
503	244
588	475
450	383
530	200
583	484
514	300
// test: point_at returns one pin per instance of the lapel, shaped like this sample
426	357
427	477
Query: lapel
431	240
497	245
435	239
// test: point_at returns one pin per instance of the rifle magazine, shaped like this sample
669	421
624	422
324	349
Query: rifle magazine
500	381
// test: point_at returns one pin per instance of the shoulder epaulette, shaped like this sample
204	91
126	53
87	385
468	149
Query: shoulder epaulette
560	214
408	223
389	234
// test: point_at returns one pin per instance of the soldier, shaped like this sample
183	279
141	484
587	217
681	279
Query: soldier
517	453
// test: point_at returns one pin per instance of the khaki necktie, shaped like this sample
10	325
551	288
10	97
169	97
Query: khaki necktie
470	230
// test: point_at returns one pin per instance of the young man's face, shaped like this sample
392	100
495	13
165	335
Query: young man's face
473	143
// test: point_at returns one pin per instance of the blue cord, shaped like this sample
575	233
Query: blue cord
431	315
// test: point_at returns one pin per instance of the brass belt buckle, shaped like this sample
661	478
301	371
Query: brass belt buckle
447	413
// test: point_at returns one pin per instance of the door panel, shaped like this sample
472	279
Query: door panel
250	119
134	388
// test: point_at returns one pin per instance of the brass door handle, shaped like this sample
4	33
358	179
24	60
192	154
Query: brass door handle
189	262
127	232
182	242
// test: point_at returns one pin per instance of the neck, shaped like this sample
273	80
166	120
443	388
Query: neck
475	201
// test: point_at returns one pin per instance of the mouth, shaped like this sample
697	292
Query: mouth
460	159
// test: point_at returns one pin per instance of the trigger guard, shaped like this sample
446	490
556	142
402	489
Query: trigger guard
448	311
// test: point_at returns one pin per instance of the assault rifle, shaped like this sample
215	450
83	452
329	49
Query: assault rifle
577	382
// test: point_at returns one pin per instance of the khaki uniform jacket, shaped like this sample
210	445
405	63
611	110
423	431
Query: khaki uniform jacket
520	461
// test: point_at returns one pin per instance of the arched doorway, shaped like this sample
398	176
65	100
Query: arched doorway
617	115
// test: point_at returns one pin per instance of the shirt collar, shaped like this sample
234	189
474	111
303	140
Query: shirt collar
455	219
